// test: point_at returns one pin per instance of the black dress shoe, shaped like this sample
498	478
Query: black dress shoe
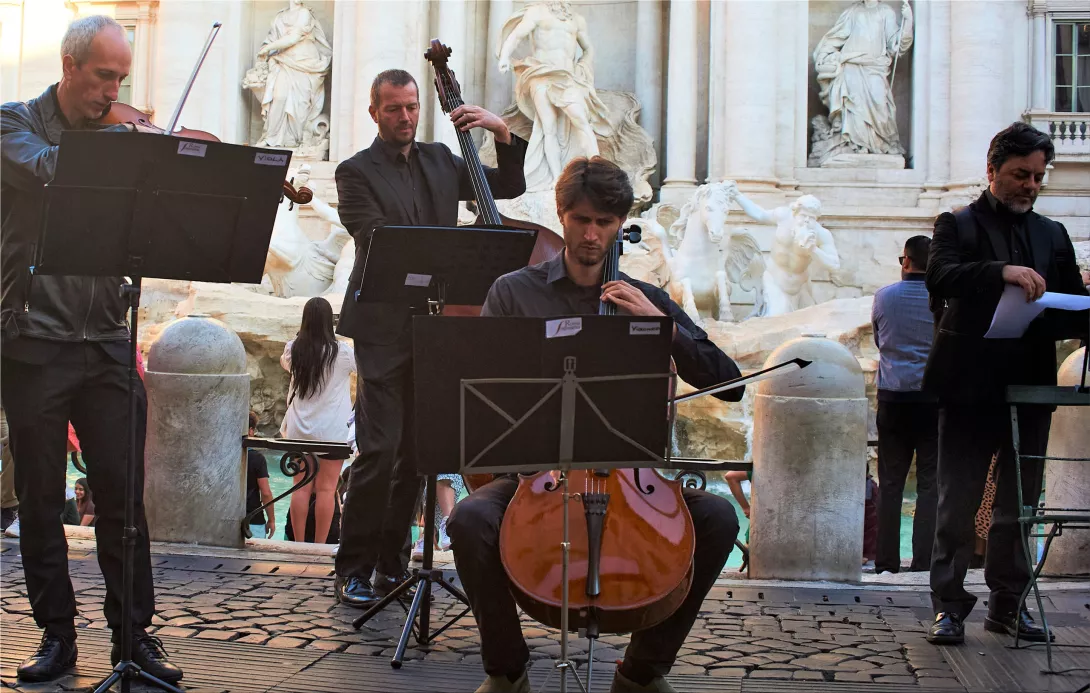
149	655
946	630
55	655
355	591
385	584
1021	623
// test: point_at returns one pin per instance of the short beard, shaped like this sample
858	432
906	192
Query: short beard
1014	205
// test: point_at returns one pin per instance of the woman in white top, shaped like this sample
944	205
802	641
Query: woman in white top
319	405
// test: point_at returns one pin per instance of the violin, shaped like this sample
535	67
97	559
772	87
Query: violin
631	549
548	242
118	113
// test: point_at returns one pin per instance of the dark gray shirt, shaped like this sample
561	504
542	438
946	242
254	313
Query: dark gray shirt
546	291
1014	230
409	183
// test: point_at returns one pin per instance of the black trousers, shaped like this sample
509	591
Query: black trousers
968	437
906	429
383	486
474	529
84	385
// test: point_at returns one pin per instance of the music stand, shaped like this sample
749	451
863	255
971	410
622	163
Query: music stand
166	207
424	268
587	392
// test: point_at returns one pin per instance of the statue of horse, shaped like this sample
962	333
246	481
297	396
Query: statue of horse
704	258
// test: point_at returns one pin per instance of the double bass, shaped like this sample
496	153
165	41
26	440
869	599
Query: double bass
631	549
548	242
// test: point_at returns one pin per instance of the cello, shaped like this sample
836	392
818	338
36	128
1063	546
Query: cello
548	242
631	550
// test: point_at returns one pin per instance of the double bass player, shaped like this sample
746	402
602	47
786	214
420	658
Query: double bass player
396	181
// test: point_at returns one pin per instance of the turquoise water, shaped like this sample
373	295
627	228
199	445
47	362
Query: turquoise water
280	483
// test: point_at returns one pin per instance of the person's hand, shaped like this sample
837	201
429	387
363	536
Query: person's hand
745	511
1026	278
629	299
505	65
467	117
808	240
1086	277
264	52
270	529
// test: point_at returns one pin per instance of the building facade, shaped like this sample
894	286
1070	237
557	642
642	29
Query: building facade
727	89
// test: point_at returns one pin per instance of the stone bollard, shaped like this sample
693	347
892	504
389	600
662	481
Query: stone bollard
198	407
1067	484
809	466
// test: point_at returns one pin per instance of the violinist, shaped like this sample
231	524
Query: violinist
65	357
396	181
593	197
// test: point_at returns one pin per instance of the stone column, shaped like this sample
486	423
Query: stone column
681	116
451	29
498	88
1039	80
980	90
217	102
369	37
749	84
809	466
198	406
649	27
1067	484
936	64
717	99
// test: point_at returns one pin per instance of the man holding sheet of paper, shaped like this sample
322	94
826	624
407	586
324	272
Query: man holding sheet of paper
995	245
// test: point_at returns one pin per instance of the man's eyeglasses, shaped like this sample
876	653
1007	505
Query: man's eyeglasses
901	260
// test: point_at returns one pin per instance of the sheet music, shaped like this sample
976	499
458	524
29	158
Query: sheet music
1013	314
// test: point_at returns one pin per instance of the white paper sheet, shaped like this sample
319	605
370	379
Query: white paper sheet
1013	315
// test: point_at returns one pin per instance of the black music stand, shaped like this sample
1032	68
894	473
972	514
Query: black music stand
165	207
424	268
509	395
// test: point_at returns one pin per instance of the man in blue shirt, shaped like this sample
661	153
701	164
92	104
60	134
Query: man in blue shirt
907	418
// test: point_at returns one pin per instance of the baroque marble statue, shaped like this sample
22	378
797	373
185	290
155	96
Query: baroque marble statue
853	63
554	87
798	240
703	258
289	81
295	264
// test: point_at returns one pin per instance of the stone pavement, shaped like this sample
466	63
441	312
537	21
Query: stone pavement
746	633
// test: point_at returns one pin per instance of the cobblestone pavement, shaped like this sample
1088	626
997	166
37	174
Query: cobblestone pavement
739	634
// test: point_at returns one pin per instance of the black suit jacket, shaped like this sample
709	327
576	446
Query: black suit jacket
366	200
966	271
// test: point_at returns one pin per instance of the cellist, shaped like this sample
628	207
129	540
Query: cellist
593	197
396	181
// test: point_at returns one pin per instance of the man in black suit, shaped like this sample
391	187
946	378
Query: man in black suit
975	253
396	181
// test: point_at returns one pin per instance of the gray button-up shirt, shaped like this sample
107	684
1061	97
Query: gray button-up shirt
546	291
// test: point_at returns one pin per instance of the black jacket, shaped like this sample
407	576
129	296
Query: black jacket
966	271
366	200
52	308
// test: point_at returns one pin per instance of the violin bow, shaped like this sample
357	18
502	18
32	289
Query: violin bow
192	78
770	372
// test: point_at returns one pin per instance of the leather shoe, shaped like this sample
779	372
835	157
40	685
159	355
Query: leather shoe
355	591
55	655
149	655
1020	623
385	584
946	630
